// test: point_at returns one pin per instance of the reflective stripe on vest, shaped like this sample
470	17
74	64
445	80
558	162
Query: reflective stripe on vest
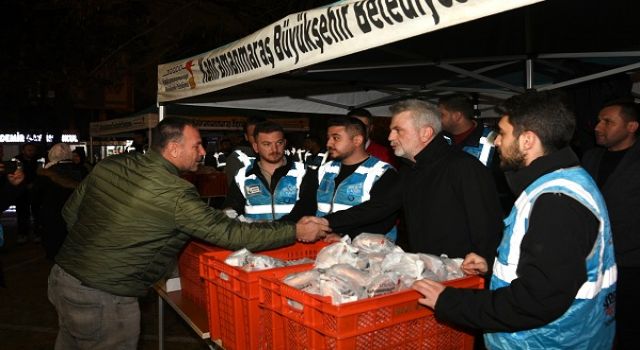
485	148
266	208
244	158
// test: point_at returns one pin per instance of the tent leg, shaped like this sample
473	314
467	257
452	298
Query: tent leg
529	72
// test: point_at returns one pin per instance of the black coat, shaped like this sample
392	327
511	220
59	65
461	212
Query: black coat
621	192
51	189
449	201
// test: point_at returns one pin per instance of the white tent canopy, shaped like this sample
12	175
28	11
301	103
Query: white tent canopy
278	67
329	103
314	36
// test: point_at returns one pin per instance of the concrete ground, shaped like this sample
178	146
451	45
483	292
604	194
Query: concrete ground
28	321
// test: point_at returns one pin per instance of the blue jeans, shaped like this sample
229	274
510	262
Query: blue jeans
92	319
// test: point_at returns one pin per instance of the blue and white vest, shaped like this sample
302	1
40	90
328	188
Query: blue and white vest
353	190
260	203
589	323
485	149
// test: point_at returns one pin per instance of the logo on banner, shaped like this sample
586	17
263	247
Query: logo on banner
192	80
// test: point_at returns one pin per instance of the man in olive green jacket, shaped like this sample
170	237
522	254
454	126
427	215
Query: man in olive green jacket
127	222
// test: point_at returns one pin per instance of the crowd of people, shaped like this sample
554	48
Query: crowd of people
554	236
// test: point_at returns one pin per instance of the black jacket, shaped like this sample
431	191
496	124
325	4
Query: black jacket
560	236
621	192
51	189
504	193
449	201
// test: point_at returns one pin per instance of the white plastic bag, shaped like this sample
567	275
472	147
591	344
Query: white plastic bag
337	253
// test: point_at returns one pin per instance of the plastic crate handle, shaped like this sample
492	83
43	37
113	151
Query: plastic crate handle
224	276
295	305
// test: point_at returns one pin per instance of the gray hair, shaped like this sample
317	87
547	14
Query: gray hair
423	113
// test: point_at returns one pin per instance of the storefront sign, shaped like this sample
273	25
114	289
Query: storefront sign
19	137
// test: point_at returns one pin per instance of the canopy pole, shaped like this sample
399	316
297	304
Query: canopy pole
91	150
529	73
161	112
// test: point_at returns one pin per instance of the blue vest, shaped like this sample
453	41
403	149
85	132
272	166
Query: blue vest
589	322
353	190
485	149
260	203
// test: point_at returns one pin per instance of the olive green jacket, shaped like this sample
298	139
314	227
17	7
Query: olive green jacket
130	217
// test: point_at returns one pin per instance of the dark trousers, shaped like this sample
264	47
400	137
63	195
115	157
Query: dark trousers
627	308
23	211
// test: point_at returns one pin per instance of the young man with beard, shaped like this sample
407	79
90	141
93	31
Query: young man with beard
268	187
350	178
616	166
554	279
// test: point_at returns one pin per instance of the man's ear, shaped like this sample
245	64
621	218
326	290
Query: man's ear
632	127
528	140
425	133
457	116
174	149
358	140
255	147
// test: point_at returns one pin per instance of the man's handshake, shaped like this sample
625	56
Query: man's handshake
311	228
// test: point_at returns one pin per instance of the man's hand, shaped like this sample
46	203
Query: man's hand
308	230
474	264
314	219
16	178
430	290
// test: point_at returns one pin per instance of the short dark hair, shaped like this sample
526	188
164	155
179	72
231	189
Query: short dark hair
253	120
360	112
458	103
354	126
628	109
267	127
169	129
544	113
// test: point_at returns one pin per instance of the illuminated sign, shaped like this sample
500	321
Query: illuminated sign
24	138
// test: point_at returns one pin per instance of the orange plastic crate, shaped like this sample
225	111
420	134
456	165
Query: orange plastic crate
233	294
192	285
299	320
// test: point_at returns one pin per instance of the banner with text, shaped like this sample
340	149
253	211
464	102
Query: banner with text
123	125
236	123
317	35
